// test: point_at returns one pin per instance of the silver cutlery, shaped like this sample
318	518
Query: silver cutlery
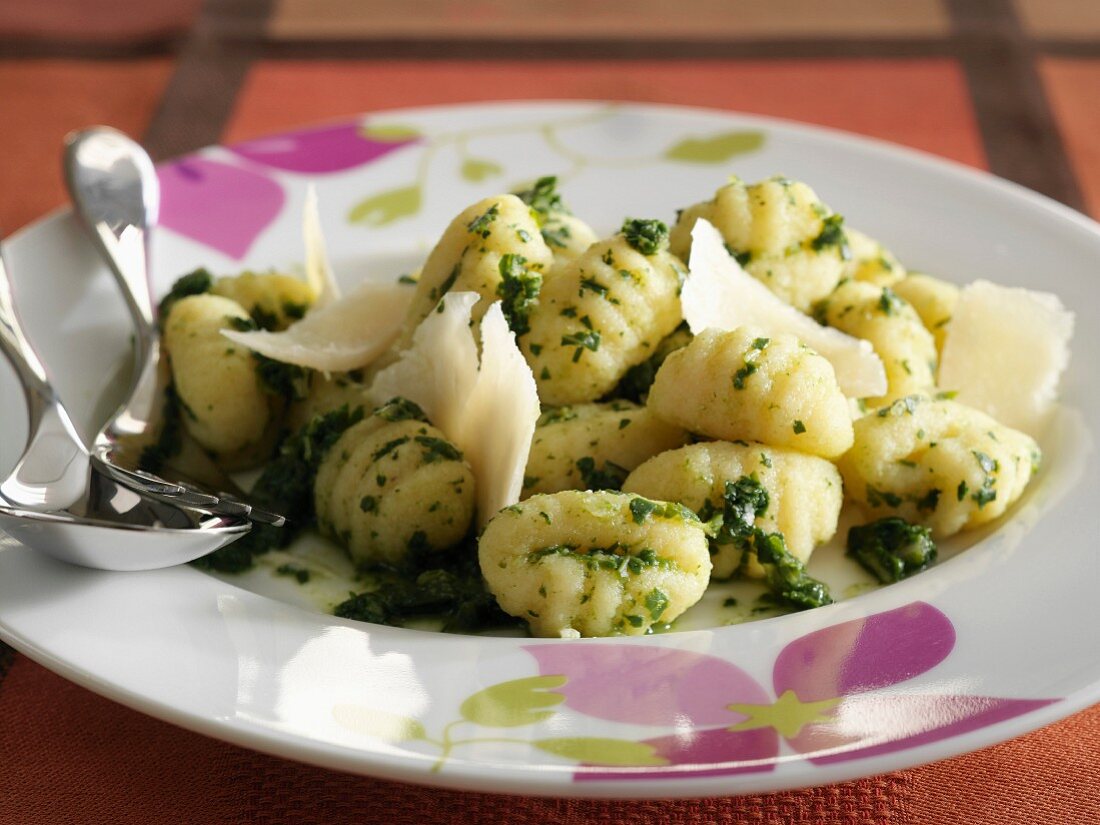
56	501
116	195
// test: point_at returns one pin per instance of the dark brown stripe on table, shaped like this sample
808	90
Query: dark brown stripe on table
12	48
515	48
1069	48
212	65
1018	129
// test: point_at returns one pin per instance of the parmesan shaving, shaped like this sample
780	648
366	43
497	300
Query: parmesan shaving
439	369
720	294
499	417
489	413
1005	351
344	335
319	273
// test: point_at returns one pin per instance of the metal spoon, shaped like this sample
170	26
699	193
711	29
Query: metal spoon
56	501
116	196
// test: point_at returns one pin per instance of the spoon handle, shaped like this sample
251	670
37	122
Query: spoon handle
116	195
20	353
52	472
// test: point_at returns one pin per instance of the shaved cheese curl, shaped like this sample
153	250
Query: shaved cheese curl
345	335
719	294
489	413
319	274
500	417
439	369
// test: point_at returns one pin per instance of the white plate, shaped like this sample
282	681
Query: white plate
989	644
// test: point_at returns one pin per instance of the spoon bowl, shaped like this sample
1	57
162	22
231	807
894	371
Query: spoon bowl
147	534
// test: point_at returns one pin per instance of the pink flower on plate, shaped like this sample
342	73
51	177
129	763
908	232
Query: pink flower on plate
325	148
217	204
829	700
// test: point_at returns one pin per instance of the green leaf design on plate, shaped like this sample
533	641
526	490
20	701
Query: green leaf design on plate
389	132
514	703
386	207
716	148
596	751
379	723
476	170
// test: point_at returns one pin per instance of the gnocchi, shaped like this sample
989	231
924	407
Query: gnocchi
393	484
933	299
779	231
594	446
938	463
602	314
594	564
741	385
272	299
805	493
870	261
877	314
735	449
468	256
325	393
225	407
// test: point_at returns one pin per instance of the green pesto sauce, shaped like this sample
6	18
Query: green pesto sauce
480	225
646	236
617	558
436	449
750	358
588	339
518	291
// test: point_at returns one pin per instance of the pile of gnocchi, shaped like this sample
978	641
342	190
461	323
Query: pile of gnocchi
588	415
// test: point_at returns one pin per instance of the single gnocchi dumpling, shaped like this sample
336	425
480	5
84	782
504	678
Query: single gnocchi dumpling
273	300
326	392
391	484
225	407
468	256
779	231
603	313
871	261
565	234
742	385
598	564
594	446
877	314
938	463
933	299
805	493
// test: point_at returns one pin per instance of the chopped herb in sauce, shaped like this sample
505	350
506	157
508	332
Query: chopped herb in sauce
609	477
400	409
543	197
889	303
751	355
193	283
582	340
646	236
436	449
892	548
518	290
832	234
480	224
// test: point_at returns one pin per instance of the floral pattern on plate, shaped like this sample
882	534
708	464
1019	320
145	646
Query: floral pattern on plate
833	701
